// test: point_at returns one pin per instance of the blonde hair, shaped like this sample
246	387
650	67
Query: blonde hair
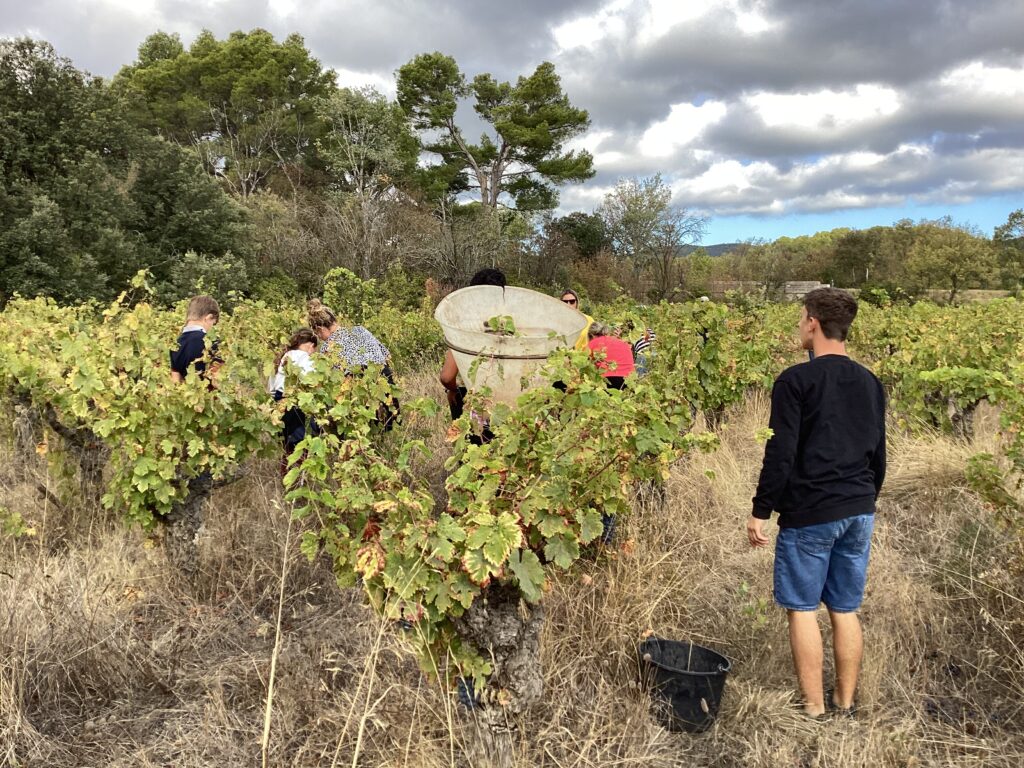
201	306
319	315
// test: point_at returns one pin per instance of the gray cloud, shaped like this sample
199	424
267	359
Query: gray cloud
814	45
940	139
363	36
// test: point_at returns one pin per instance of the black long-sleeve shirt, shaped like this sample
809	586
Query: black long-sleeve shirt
826	460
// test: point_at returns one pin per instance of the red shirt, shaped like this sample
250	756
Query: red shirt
615	351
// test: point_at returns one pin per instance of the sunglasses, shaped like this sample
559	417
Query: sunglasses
568	301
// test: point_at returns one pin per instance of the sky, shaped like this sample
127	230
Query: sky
771	117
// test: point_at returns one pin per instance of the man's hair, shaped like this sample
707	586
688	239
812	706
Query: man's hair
834	309
488	276
201	306
597	329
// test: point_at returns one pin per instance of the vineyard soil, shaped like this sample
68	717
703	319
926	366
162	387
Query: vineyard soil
107	656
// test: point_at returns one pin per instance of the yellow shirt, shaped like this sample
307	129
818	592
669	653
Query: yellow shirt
584	339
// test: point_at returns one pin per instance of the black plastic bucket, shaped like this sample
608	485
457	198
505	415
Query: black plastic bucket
686	682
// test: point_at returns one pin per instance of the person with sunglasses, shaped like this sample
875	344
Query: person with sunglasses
571	298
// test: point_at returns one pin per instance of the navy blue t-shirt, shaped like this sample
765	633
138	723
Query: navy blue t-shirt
190	351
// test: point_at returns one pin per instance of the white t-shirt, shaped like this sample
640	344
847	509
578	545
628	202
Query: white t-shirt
299	359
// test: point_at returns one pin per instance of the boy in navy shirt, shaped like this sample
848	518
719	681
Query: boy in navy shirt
203	313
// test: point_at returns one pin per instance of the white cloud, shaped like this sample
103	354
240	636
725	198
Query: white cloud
647	21
282	8
587	31
664	15
743	105
979	78
141	8
825	109
350	78
590	141
684	123
753	22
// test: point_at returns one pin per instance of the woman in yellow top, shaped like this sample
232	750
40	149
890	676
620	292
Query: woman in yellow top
570	297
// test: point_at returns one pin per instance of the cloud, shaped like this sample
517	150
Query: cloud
744	106
684	124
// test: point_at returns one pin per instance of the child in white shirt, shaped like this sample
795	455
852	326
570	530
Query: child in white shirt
297	355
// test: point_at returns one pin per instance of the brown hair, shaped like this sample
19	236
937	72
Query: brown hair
201	306
319	316
300	337
834	309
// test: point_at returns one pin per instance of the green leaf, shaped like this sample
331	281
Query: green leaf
310	545
563	551
590	525
529	573
477	566
505	536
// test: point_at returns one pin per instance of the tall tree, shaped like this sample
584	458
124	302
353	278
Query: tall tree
952	258
86	196
1008	239
368	152
586	231
646	229
522	159
366	146
246	104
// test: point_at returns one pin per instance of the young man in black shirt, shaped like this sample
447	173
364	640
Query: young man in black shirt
822	472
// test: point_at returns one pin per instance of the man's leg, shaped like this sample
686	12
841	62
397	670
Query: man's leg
849	650
842	595
805	642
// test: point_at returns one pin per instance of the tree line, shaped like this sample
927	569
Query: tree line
240	165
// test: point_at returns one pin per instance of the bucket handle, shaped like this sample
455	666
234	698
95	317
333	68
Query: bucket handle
495	356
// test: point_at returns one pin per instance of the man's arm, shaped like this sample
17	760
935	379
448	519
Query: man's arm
878	458
780	451
449	372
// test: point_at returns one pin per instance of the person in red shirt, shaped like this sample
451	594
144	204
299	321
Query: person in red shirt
614	356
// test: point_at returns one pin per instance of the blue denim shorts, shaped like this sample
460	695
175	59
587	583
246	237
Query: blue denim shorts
824	563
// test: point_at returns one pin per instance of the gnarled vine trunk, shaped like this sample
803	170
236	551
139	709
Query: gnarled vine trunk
962	419
182	525
88	451
507	631
28	428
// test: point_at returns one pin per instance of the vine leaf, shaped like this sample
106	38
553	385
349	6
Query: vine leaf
529	572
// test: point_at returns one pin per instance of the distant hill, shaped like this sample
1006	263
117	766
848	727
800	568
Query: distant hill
712	250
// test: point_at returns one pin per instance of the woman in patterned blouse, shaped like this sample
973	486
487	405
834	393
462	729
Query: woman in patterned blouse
354	347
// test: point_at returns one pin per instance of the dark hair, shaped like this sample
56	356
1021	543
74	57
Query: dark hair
300	337
834	309
573	293
319	316
488	276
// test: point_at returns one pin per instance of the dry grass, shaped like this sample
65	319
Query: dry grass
105	659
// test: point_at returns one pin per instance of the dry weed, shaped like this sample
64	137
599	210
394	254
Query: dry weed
106	659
